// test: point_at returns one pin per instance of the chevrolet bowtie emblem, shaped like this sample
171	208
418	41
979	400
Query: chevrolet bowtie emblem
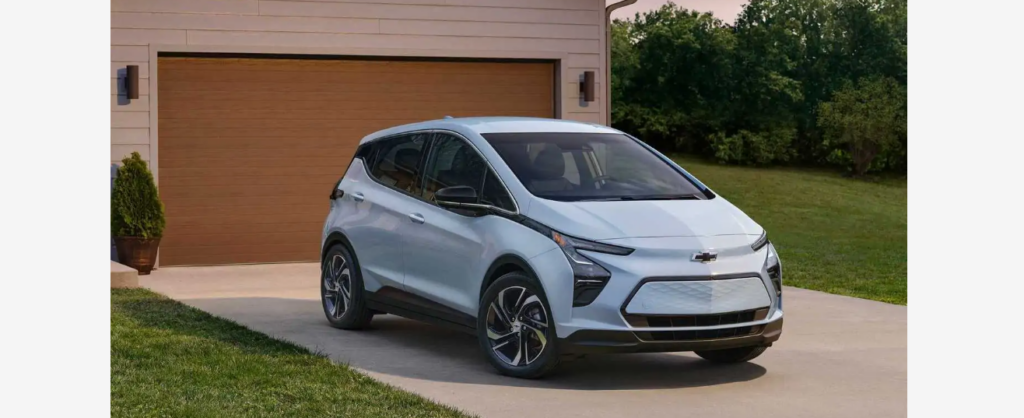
704	257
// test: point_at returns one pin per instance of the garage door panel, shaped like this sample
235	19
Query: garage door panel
319	198
205	141
196	223
193	230
167	174
184	257
311	247
270	191
370	126
368	77
344	104
241	238
285	149
249	148
211	98
269	253
424	113
281	210
293	89
240	162
277	211
198	181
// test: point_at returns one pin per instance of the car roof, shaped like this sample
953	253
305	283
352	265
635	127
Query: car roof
485	125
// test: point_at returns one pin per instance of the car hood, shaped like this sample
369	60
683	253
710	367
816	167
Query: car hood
644	218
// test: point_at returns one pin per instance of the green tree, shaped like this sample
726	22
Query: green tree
686	81
679	92
868	119
624	60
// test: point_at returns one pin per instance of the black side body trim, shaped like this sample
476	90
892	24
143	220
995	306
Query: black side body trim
405	304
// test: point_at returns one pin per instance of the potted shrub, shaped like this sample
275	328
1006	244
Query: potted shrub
136	214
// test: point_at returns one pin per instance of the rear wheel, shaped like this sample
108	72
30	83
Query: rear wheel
515	328
732	355
341	290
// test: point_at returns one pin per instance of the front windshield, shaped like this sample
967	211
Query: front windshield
587	166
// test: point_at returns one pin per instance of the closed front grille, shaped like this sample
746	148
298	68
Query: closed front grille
667	296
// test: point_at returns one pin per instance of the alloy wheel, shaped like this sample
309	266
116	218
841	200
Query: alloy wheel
516	326
337	286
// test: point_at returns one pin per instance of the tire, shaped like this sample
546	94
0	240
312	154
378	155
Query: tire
732	355
533	324
339	266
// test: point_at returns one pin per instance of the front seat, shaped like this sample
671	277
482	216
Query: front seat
406	161
548	172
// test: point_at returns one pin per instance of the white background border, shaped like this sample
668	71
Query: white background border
966	214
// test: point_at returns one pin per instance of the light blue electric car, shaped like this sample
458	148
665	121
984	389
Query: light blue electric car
546	239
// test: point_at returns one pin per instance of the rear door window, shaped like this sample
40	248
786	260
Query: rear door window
398	162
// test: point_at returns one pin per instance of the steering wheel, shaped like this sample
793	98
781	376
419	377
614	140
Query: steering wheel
599	179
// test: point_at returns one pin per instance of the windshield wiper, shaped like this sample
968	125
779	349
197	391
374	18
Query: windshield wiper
649	197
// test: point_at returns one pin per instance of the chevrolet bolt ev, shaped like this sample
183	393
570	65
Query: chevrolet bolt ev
546	239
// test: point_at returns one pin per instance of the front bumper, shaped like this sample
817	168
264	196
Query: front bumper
604	341
682	299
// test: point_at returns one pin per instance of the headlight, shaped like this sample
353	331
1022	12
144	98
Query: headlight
589	278
773	266
761	242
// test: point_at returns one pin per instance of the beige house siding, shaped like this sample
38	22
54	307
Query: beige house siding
570	31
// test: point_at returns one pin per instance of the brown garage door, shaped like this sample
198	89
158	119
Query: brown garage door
250	147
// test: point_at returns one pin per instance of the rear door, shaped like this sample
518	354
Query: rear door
379	198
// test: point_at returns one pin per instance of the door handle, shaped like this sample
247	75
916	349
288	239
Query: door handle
358	197
416	218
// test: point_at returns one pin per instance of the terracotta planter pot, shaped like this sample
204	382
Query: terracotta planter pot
136	252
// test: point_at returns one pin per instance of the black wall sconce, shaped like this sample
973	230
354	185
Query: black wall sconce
131	82
587	86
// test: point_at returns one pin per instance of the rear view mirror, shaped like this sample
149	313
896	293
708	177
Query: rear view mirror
455	196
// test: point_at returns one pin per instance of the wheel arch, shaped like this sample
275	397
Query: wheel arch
335	238
506	264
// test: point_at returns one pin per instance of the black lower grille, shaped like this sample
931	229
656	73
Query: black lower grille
710	334
678	321
675	321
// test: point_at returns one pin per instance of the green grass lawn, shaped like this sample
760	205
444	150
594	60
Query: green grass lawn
167	359
834	234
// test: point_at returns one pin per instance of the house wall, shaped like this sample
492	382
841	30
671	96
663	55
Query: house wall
570	31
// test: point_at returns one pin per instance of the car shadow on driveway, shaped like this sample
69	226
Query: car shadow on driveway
410	349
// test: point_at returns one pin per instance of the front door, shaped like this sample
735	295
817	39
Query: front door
444	247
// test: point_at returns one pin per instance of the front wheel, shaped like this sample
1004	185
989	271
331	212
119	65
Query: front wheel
732	355
515	328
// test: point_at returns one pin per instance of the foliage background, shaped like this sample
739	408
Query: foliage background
789	82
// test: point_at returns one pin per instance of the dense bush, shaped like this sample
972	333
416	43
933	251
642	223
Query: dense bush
135	207
868	119
688	82
762	148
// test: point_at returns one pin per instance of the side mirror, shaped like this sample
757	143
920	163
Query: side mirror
455	196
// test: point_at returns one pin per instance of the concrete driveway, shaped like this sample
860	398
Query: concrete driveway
838	356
